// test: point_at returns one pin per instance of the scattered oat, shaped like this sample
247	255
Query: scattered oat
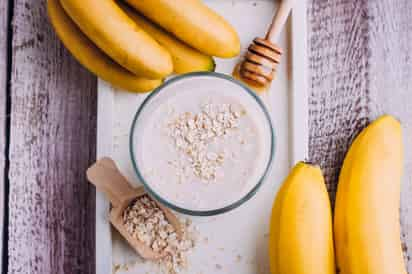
145	221
116	268
251	262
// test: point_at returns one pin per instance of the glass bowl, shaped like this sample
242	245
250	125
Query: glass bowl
160	91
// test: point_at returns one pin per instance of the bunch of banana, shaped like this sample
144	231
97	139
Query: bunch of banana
122	47
366	222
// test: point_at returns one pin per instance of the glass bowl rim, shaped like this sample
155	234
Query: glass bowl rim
232	205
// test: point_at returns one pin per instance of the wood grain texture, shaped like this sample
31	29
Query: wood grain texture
52	142
338	81
360	67
391	86
3	93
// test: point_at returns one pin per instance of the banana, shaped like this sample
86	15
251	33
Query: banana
300	239
366	223
119	37
92	57
194	23
185	58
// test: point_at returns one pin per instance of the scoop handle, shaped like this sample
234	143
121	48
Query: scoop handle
279	20
107	178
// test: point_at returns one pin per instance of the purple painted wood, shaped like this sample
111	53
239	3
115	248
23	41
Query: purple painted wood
339	75
360	67
391	87
3	93
52	142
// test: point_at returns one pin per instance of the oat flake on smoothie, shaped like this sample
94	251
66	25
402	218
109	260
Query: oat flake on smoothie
192	134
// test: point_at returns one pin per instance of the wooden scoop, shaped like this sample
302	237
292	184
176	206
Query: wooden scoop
107	178
259	65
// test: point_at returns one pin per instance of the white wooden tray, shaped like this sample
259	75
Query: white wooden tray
236	241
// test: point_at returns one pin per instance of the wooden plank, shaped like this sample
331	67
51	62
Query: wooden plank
390	70
360	66
338	99
52	142
4	18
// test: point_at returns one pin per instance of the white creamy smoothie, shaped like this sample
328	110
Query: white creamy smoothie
202	143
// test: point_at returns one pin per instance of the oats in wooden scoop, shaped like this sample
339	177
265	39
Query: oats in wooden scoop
144	220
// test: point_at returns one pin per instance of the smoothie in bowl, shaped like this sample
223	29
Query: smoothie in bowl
202	143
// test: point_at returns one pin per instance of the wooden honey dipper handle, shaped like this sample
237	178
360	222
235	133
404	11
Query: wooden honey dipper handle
108	179
263	56
279	20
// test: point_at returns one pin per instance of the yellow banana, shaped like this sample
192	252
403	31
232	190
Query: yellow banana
119	37
185	58
366	223
301	240
194	23
92	57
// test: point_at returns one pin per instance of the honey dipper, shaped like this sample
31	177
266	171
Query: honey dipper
107	178
259	65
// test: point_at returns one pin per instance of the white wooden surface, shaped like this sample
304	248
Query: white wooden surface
241	233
